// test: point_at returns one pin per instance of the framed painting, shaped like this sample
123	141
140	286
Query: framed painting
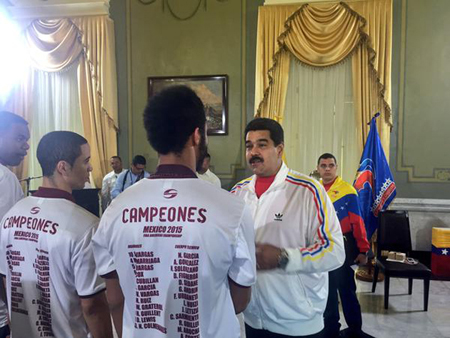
211	89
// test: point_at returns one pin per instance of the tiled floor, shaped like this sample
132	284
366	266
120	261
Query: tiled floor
405	317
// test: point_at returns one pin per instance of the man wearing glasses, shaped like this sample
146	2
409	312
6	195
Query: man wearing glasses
127	178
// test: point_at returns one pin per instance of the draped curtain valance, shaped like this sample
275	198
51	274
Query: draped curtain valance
322	35
54	45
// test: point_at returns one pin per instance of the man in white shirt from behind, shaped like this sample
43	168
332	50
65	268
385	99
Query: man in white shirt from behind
14	137
110	180
207	175
45	250
180	249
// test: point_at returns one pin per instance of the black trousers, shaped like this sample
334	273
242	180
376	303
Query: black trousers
255	333
342	280
4	331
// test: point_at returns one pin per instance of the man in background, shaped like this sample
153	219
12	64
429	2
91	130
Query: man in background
110	180
45	252
130	176
342	280
207	175
178	253
298	240
14	136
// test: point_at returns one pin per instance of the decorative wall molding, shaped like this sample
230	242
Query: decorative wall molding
168	5
240	163
440	175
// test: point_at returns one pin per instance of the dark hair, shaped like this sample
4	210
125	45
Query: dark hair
171	117
207	155
58	146
325	157
118	157
7	119
261	123
139	159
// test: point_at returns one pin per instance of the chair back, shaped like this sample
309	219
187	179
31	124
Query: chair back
393	232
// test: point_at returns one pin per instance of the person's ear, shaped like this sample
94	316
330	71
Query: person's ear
280	149
196	137
63	168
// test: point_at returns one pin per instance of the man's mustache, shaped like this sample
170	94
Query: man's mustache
255	158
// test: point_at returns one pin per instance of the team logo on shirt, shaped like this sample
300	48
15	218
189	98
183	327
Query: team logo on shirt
278	217
35	210
170	193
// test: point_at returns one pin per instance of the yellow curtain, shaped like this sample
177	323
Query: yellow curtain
98	90
272	62
54	45
322	35
372	69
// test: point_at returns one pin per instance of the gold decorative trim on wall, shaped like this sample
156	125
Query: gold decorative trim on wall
167	4
440	175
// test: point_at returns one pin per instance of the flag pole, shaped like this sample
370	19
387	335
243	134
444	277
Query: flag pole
377	114
376	189
365	272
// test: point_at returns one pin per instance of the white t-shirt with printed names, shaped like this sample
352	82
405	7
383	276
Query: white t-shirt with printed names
10	193
46	255
173	243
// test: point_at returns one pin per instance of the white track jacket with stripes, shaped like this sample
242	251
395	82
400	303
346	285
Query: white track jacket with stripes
296	214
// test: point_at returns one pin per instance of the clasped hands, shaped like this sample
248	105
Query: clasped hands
267	256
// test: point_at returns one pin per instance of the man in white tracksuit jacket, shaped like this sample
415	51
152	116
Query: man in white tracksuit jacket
298	239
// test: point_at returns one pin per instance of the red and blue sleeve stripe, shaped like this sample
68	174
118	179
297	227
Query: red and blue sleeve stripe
322	217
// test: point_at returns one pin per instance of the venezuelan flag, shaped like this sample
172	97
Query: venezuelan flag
440	252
